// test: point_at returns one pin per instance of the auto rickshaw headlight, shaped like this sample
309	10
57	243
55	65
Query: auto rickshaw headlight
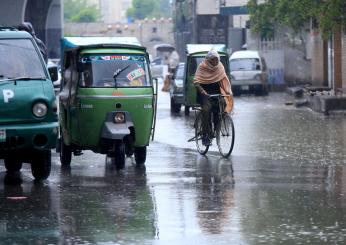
119	117
39	109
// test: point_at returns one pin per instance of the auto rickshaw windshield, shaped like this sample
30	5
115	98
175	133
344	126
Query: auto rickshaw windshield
106	70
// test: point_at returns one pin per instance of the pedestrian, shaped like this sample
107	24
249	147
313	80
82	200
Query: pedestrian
27	26
211	78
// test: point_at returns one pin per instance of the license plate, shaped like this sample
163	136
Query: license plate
2	135
244	87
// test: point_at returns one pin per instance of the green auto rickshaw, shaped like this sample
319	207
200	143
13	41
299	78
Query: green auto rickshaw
107	101
195	55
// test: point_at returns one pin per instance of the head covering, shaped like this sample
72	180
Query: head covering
212	54
207	73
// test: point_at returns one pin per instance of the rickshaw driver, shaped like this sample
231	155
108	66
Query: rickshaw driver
210	78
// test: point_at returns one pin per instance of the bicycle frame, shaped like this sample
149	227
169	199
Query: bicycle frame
215	130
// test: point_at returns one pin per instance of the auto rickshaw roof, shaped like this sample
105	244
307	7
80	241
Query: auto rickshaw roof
109	42
164	47
203	48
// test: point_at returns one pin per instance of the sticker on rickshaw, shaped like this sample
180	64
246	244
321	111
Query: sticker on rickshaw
136	74
117	93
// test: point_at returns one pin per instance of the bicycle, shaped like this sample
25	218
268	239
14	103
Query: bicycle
223	131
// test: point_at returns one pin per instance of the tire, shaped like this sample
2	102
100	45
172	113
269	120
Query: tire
202	149
265	91
65	153
41	164
140	155
118	156
225	135
187	110
12	164
175	108
129	148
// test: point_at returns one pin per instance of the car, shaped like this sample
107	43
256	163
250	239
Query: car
177	89
248	73
28	108
158	67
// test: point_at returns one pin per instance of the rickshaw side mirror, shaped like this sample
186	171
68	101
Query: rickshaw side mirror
53	73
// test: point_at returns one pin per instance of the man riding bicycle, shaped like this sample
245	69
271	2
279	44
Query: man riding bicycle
211	79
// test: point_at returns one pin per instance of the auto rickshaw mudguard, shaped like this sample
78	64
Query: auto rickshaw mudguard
116	131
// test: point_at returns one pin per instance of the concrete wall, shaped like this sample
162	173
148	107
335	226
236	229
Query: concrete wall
12	12
207	7
318	60
337	60
285	57
149	32
232	3
54	29
45	15
343	54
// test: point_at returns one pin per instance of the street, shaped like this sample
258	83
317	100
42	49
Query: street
283	184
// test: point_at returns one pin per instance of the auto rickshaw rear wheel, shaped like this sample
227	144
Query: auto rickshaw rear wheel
140	155
65	153
118	156
175	108
187	110
41	164
12	164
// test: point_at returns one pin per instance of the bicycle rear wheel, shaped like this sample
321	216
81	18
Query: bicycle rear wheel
201	148
225	135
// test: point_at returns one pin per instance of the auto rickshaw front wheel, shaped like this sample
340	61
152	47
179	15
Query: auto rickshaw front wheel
140	155
65	153
41	164
12	164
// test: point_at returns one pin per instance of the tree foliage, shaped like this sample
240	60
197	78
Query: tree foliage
149	8
330	15
80	11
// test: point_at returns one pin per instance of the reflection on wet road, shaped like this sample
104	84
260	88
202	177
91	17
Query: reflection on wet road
283	184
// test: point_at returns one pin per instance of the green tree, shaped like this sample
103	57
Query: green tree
80	11
331	15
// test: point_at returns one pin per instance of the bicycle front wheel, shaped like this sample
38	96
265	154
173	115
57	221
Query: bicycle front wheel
225	135
201	148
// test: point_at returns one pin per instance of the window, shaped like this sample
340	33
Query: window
109	70
245	64
19	58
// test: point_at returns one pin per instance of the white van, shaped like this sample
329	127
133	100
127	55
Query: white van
248	73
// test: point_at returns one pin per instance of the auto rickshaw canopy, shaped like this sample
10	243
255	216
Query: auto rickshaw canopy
202	48
73	42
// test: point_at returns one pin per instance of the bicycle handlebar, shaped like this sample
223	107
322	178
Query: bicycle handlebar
218	95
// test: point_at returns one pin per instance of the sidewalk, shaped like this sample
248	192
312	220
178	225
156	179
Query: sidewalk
318	99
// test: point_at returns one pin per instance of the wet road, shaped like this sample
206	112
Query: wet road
283	184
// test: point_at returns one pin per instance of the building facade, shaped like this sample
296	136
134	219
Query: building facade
209	21
45	16
112	11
